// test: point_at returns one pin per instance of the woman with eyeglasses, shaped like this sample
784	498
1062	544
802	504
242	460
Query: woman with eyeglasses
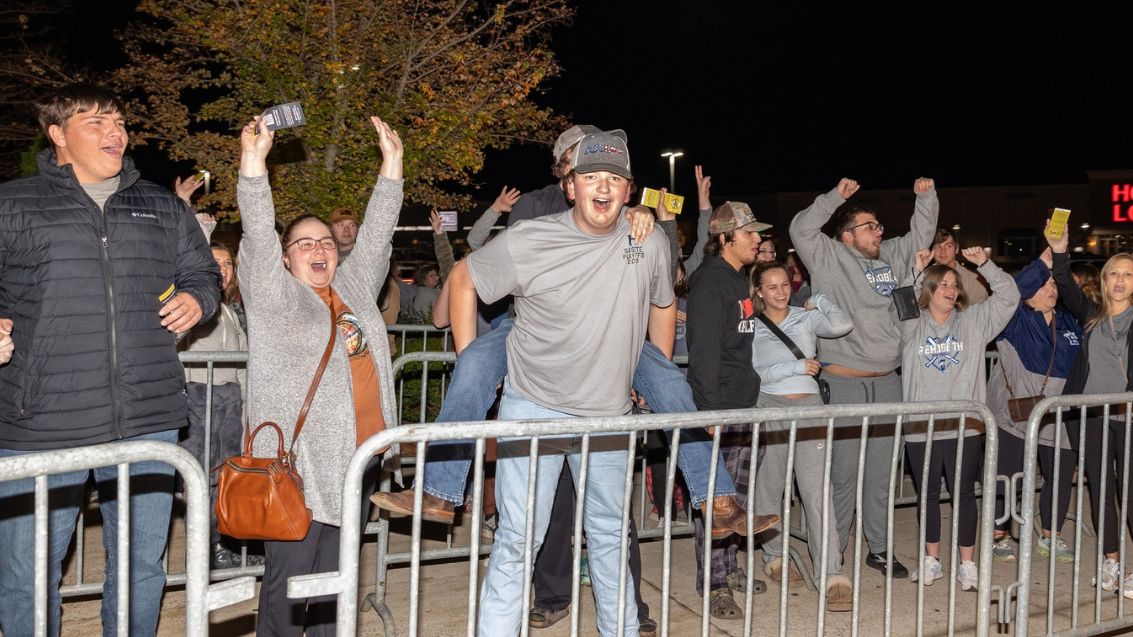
295	292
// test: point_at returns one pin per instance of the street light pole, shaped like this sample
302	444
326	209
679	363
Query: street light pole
672	156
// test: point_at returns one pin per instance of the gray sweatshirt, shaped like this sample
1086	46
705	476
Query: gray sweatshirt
288	329
862	287
946	361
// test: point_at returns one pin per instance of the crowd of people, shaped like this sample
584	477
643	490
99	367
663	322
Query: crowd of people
575	310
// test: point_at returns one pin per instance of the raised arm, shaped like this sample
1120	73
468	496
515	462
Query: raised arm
814	248
261	272
704	206
1069	294
997	310
370	258
922	227
480	231
442	248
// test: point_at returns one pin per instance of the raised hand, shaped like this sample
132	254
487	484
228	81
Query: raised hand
847	187
507	199
186	188
392	150
923	185
1060	244
435	221
703	188
663	213
977	255
923	258
255	143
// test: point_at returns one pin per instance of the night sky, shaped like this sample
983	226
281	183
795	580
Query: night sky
771	98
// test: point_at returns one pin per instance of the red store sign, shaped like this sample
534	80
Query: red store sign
1122	200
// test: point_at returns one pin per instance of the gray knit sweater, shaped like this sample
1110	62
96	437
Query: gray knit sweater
288	329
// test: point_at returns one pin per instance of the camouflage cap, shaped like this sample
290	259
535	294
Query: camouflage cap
734	215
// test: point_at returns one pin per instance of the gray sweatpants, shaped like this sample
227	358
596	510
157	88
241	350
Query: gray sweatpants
879	449
810	457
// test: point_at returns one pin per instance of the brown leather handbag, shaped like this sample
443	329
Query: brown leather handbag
262	498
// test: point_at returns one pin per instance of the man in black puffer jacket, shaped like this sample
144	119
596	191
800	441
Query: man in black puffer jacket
98	271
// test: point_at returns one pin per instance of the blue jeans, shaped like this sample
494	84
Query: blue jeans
503	586
482	366
151	499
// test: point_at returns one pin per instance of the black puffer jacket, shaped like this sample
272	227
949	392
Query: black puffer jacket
92	362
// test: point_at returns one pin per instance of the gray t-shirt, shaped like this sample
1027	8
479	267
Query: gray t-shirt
1108	351
582	308
102	190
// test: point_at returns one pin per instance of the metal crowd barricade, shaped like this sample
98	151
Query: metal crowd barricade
406	336
1109	616
200	596
343	583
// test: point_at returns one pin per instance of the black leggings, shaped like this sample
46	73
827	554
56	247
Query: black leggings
943	463
1110	473
1011	462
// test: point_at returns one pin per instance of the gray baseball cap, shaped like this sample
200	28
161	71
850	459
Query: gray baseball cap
734	215
571	136
603	151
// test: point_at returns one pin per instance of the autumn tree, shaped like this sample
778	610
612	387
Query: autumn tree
454	77
31	63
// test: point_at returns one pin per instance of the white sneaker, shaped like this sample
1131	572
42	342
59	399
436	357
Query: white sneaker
968	576
1127	587
932	570
1111	575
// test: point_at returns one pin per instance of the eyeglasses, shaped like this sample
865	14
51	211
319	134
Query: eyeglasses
306	244
872	226
767	251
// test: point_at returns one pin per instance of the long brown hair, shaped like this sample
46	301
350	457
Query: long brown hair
933	275
231	292
1102	312
756	279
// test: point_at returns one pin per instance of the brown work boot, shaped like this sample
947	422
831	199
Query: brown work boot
728	517
433	508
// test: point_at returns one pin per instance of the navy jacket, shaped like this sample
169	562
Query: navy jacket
92	362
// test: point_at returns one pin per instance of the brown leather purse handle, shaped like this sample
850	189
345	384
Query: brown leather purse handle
315	383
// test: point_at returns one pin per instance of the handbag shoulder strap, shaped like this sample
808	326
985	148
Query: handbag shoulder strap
315	383
1049	366
1053	349
782	336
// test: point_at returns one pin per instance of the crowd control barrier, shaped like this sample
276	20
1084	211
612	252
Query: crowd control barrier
1112	614
343	583
201	597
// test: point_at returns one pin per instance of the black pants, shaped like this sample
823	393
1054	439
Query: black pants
280	616
226	438
1011	462
963	489
1110	472
552	569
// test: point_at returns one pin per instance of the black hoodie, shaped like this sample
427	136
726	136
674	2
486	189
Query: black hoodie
721	327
